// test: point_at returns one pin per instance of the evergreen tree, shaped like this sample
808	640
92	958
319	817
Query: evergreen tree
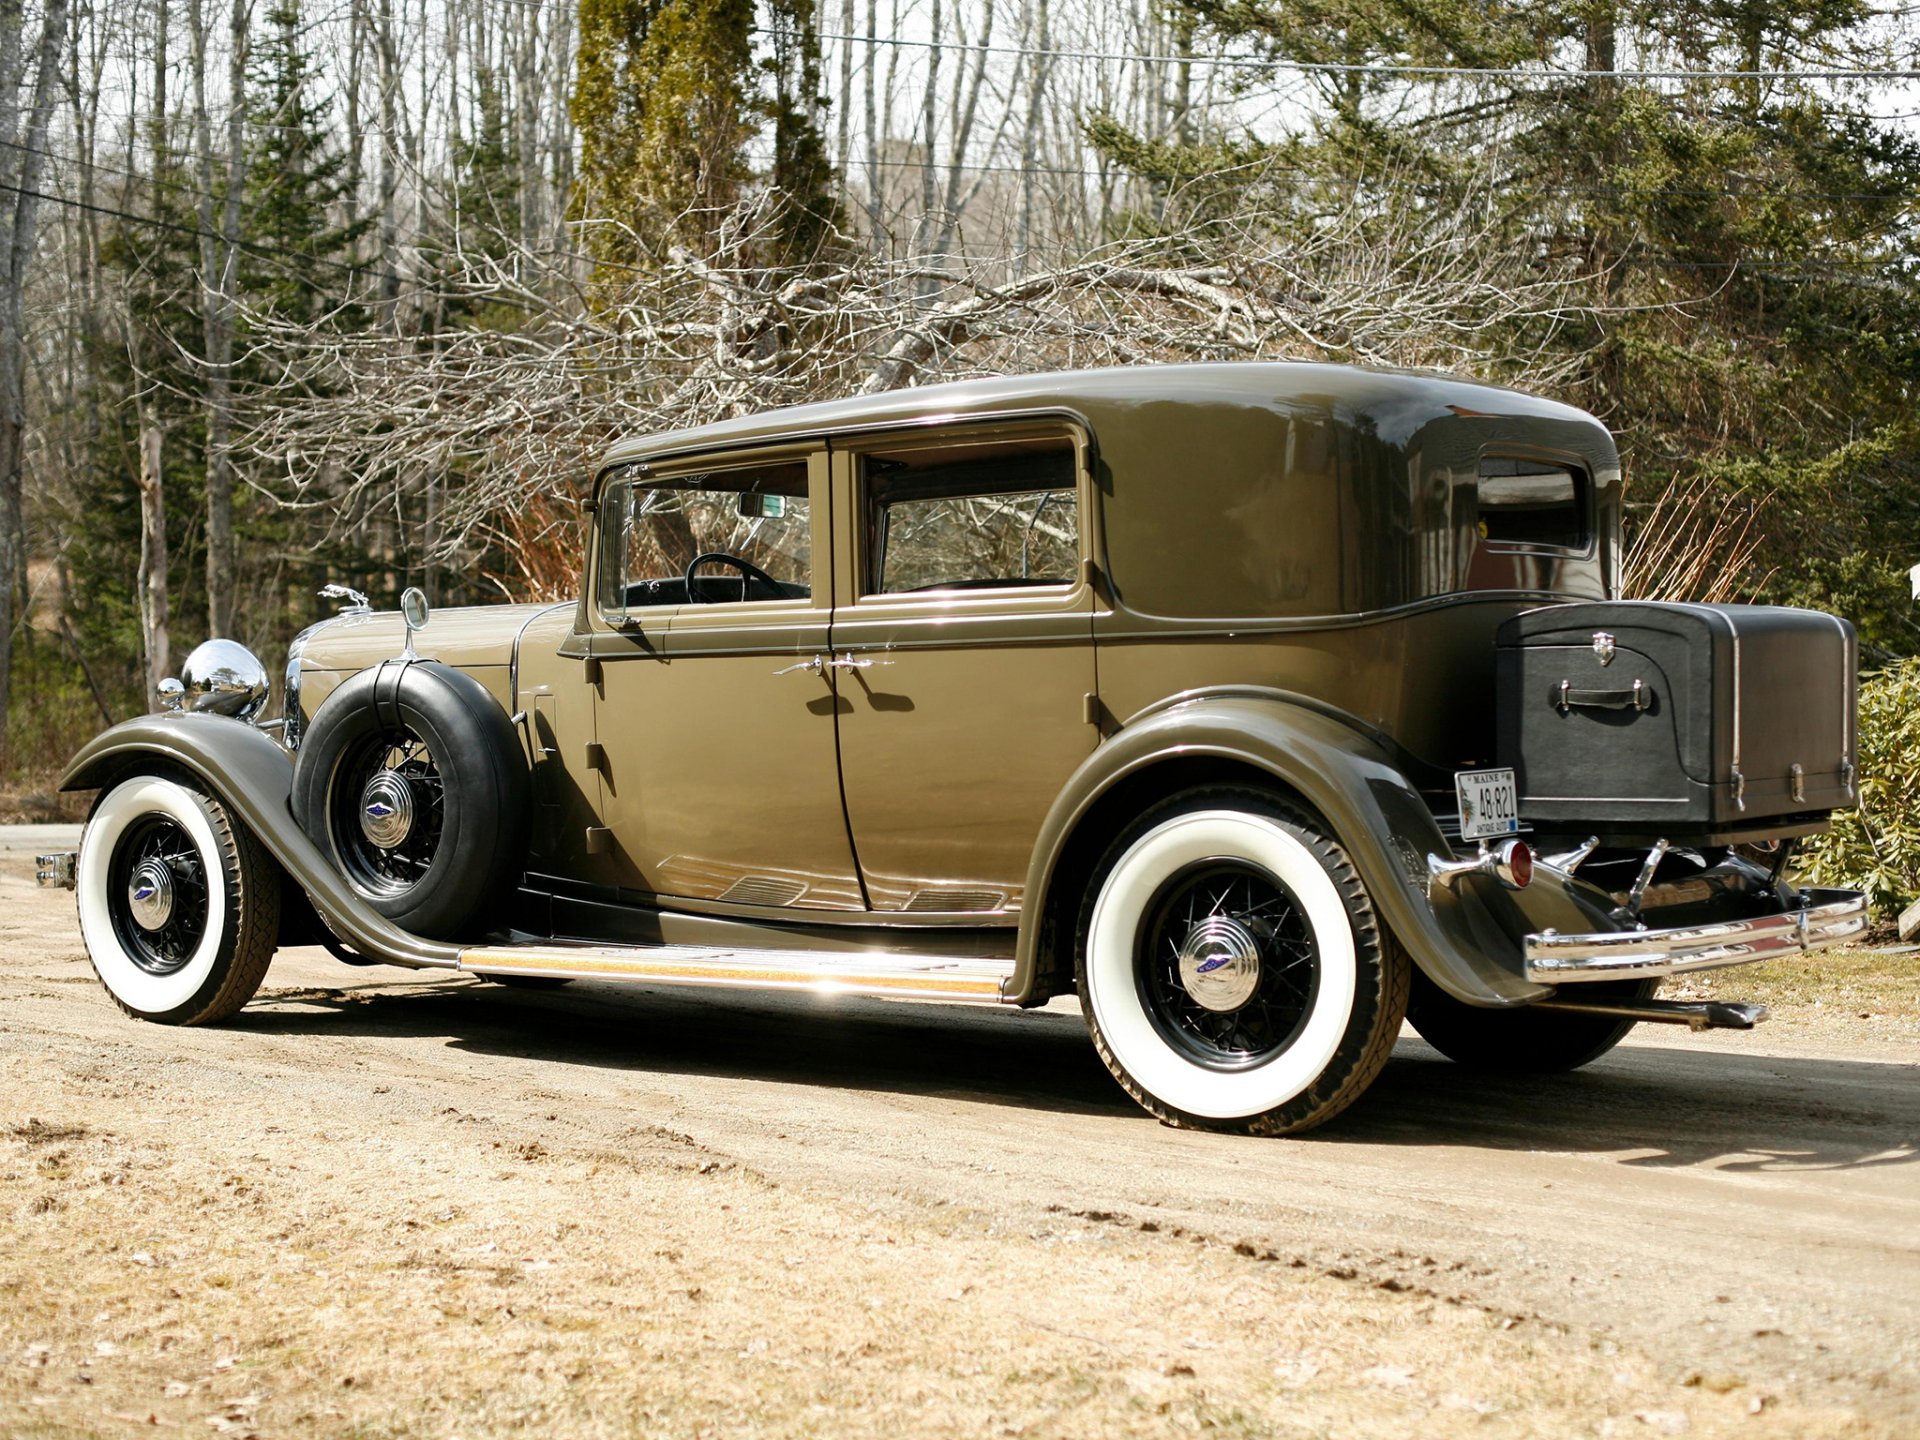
151	262
663	98
1755	284
298	199
810	212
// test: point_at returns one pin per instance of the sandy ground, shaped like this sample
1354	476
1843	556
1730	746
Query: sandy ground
383	1203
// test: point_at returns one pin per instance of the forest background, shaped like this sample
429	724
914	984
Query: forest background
305	290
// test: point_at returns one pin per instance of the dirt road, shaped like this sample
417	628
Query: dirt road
385	1203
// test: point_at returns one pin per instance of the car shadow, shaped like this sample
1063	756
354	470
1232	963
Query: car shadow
1649	1104
1656	1106
1038	1060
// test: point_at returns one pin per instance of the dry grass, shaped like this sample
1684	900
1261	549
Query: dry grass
1866	990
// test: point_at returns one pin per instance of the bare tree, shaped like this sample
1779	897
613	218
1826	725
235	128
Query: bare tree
513	414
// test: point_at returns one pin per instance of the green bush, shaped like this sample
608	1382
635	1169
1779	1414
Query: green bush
1875	847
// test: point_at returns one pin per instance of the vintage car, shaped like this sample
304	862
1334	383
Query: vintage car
1259	705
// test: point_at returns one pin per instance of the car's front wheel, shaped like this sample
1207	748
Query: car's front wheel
1232	970
179	905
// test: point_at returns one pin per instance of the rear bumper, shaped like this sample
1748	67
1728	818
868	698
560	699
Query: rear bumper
1829	917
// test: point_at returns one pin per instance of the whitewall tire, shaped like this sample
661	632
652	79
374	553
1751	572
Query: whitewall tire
179	906
1231	969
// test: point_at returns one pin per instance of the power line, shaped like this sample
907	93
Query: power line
1120	172
1255	171
1329	67
156	223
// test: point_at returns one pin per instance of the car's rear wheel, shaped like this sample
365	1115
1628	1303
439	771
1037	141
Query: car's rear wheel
1522	1041
1232	971
179	905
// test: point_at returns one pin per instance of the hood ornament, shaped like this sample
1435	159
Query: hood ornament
1603	647
357	604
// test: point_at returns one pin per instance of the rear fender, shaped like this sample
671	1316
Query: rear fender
1466	939
253	777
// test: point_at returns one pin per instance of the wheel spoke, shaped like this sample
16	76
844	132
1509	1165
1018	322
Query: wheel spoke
1235	922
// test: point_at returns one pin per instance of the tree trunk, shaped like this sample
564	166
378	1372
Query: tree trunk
560	140
872	118
526	105
387	53
22	212
218	281
152	575
1039	38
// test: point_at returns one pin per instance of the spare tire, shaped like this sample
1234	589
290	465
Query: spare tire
412	780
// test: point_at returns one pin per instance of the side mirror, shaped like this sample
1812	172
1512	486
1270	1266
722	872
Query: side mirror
413	613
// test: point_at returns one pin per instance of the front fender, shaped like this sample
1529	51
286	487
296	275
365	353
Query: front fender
1466	940
251	775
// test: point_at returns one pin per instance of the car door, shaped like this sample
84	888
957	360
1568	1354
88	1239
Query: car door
719	779
964	654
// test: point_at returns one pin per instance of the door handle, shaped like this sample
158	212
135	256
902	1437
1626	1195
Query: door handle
812	666
847	662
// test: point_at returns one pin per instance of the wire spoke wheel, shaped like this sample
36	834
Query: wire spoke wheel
179	905
1228	967
157	894
388	808
414	782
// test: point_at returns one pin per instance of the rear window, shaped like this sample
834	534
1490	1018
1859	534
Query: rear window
972	515
1533	504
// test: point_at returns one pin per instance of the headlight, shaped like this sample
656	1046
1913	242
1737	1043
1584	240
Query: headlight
222	677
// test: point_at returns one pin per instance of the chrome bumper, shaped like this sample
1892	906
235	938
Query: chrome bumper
1830	916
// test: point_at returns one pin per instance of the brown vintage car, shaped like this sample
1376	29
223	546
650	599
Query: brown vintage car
1258	705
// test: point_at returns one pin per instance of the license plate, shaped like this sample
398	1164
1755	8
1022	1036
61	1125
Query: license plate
1489	803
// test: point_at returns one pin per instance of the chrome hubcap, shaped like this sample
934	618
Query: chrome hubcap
150	894
1220	963
386	810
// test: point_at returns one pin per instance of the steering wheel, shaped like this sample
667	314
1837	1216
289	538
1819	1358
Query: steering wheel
748	571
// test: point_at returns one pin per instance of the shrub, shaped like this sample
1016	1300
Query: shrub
1876	846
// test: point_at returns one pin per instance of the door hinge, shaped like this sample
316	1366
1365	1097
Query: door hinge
596	756
1092	712
599	840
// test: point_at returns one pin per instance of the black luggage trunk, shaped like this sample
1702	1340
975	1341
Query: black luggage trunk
1636	719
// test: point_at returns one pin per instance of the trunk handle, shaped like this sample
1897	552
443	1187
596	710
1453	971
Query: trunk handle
1638	698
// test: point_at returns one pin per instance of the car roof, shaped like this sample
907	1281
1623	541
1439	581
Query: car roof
1384	400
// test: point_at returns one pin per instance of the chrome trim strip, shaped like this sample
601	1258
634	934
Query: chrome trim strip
914	977
1830	917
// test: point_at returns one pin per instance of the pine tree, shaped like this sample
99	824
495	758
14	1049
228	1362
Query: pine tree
810	213
298	200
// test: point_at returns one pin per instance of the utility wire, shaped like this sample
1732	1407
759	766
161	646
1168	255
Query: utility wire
156	223
1788	267
1329	67
1120	172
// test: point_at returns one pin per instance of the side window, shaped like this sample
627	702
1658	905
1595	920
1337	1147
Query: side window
754	522
971	515
1533	504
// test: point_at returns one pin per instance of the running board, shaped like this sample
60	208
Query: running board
823	972
1695	1014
